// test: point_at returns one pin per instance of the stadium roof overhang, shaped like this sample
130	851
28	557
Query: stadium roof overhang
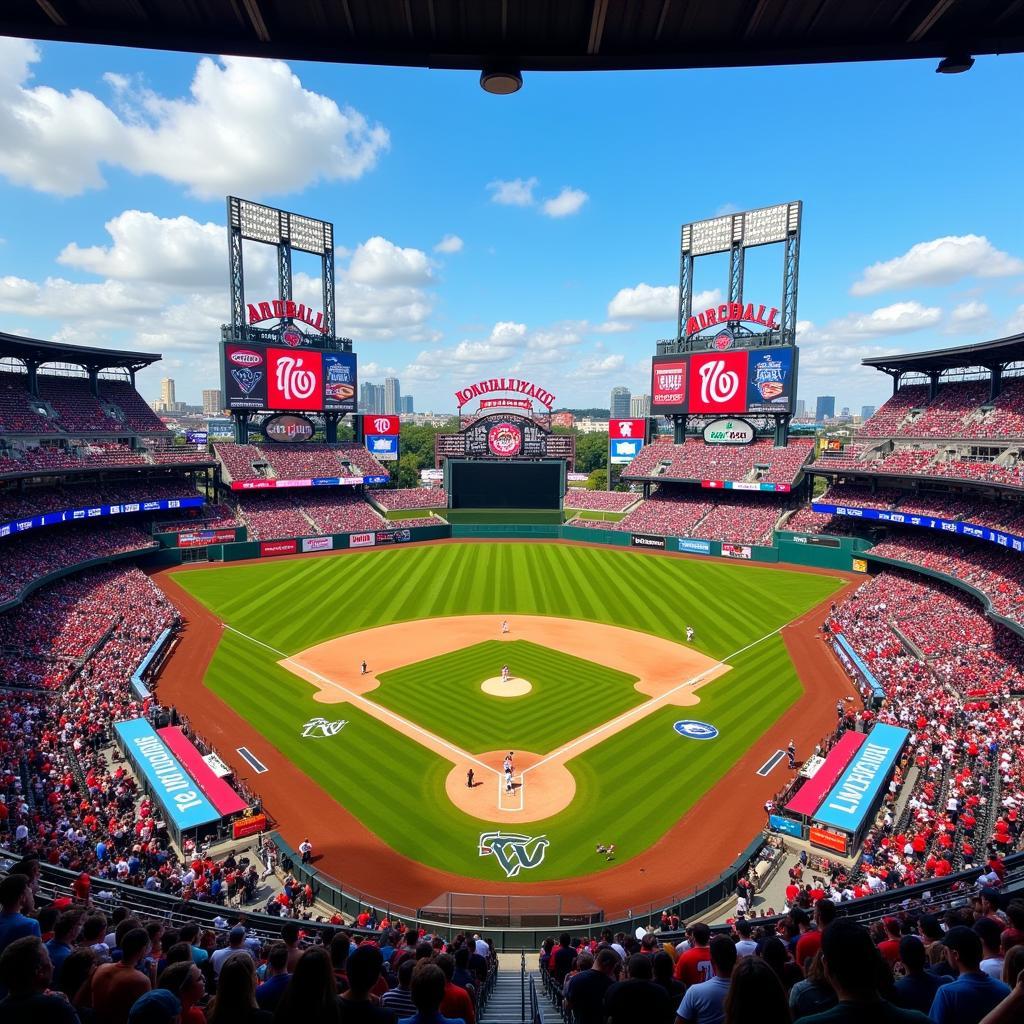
990	354
537	35
32	350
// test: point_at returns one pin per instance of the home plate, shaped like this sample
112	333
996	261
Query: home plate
511	687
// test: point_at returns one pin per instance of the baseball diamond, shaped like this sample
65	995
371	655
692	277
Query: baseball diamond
610	674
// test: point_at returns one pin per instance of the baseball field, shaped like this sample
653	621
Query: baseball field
598	636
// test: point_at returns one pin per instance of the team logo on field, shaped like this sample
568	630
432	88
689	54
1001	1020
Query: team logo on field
695	730
316	728
514	851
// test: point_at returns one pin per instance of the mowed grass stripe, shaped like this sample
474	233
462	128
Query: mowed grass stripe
630	788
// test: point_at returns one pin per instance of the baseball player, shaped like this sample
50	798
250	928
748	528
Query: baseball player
689	634
508	780
504	625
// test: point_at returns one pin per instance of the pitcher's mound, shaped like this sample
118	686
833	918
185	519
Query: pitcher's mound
513	687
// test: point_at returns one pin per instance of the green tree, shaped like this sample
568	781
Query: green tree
591	452
598	480
409	466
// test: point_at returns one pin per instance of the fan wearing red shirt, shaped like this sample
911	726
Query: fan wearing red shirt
890	946
456	1002
694	966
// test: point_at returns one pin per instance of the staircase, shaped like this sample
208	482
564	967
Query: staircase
509	1002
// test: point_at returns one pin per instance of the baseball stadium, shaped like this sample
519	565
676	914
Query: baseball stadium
771	671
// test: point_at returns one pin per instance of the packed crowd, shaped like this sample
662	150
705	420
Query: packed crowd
137	413
209	517
410	497
92	454
695	460
77	408
38	553
297	462
994	571
33	501
599	501
959	410
70	963
813	966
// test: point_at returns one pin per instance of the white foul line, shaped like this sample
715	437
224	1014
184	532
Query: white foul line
378	709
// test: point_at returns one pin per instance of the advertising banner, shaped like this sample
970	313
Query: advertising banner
361	540
736	551
718	382
859	565
855	795
288	428
624	450
200	538
383	447
317	543
72	515
694	547
506	403
217	791
261	484
340	381
1005	540
829	840
668	385
380	424
250	826
295	379
269	548
787	826
770	377
393	536
646	540
245	376
730	430
175	790
197	436
626	429
810	795
217	766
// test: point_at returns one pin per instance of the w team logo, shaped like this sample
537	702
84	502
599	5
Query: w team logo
514	851
247	378
293	381
717	384
317	728
695	730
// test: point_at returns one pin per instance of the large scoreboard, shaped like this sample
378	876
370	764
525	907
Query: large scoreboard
724	383
255	376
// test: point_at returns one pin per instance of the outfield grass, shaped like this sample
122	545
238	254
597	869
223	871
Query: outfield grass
630	789
443	695
586	513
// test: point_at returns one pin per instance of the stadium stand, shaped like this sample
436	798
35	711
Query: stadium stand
246	462
209	517
19	413
137	414
36	500
75	406
695	460
410	497
599	501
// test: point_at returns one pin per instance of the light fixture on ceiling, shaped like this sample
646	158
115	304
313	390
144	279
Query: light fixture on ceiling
955	64
501	81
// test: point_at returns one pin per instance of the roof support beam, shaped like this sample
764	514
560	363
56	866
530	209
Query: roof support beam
49	8
929	20
597	20
256	19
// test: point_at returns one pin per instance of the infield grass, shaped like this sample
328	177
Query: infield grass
630	789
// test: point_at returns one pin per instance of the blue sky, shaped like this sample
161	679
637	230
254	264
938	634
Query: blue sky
534	235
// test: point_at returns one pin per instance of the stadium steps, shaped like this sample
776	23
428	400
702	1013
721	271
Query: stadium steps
505	1005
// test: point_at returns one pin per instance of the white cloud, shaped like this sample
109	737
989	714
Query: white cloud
938	262
613	327
380	262
517	192
899	318
449	244
968	316
566	203
173	250
655	302
596	367
1015	325
59	142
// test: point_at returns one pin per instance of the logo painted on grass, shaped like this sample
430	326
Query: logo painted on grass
514	851
695	730
317	728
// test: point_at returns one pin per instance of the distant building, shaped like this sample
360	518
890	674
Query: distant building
371	398
801	409
392	396
620	403
563	419
640	406
588	425
213	402
867	411
825	408
407	405
166	402
846	412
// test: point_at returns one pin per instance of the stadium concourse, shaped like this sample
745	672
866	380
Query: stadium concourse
94	865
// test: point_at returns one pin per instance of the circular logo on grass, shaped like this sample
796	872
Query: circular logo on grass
695	730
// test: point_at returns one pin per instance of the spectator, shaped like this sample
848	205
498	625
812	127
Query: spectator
76	981
814	993
310	996
25	972
65	932
967	999
356	1007
399	999
705	1003
585	992
662	966
427	992
746	946
456	1002
694	965
562	958
916	989
187	983
989	931
269	994
15	896
809	941
755	995
638	998
236	940
159	1007
855	969
115	987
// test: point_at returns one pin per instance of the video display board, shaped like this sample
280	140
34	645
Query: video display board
481	484
256	376
756	380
